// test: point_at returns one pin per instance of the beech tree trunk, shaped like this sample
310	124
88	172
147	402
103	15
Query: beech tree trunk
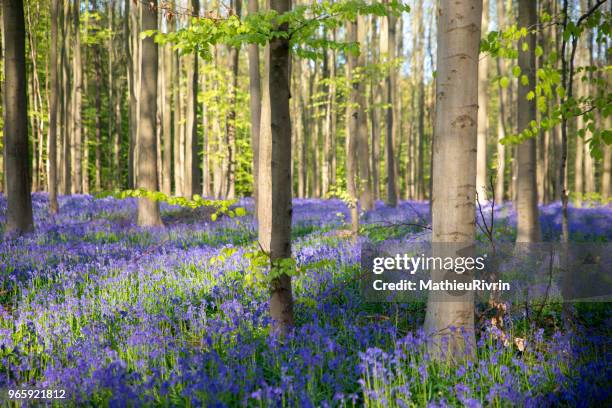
453	202
352	120
192	163
233	60
148	210
19	199
254	102
167	79
501	117
66	107
132	60
53	104
483	115
98	106
528	220
365	177
392	122
275	173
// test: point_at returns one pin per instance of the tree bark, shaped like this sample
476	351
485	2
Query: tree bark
192	163
275	173
98	107
352	120
453	201
392	122
19	199
528	220
53	104
230	129
483	115
148	210
77	97
365	176
254	102
167	79
66	108
501	117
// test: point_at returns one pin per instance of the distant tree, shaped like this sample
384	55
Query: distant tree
77	99
19	212
352	119
392	121
148	210
192	162
53	108
528	220
254	101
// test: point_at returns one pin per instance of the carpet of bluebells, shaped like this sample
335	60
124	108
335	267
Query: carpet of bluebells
120	316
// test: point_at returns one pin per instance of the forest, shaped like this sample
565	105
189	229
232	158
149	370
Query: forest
192	193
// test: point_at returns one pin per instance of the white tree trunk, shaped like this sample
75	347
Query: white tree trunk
454	164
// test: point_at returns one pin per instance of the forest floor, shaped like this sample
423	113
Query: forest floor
115	315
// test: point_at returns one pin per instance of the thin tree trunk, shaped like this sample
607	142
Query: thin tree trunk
19	206
167	79
302	132
98	107
53	104
352	119
528	220
275	173
365	177
233	60
606	176
206	192
177	118
453	202
254	101
191	178
392	123
66	108
148	210
131	53
483	115
375	101
77	96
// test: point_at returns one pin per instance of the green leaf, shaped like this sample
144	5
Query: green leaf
516	71
539	51
524	80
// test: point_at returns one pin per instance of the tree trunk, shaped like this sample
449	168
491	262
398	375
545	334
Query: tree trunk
66	109
453	202
131	46
528	220
167	79
606	176
233	57
352	120
501	117
483	115
77	97
254	102
178	117
392	122
302	131
365	177
375	100
52	138
275	173
148	210
19	199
